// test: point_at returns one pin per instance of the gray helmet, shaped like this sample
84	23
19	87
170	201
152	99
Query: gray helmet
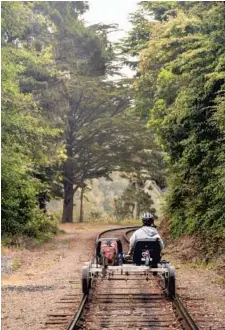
147	219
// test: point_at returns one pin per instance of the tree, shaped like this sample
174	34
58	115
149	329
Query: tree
63	121
83	104
133	202
87	131
180	88
23	126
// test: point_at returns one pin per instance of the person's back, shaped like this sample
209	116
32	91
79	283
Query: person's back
109	251
145	232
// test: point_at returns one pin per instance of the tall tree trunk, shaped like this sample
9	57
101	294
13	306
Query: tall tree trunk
81	205
68	185
68	202
136	211
42	199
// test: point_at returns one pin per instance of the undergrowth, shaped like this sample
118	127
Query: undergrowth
39	229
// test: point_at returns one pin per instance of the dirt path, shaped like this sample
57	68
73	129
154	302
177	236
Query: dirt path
202	291
42	276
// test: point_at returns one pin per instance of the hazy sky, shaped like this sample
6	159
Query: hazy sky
116	11
110	11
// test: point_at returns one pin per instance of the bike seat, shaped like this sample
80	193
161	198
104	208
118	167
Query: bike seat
150	244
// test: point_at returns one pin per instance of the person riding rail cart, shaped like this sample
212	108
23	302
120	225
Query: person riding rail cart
148	230
146	247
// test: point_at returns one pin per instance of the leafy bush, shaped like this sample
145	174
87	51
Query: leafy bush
18	194
181	83
40	226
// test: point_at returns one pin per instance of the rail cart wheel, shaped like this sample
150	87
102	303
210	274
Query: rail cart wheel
171	282
86	282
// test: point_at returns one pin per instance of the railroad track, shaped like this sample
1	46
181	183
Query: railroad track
130	302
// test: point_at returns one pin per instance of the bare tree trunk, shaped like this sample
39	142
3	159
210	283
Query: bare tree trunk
42	199
136	211
68	185
68	202
81	219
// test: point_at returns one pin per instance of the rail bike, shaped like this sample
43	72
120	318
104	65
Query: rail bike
110	263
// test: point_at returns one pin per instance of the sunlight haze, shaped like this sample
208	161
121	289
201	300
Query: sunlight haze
112	12
109	12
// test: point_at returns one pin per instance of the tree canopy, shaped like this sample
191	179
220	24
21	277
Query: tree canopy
180	89
63	121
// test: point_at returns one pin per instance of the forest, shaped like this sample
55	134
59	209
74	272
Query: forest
66	120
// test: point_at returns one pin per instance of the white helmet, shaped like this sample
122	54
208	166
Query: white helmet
147	219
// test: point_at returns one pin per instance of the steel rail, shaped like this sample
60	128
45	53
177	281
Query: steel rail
74	323
184	317
131	228
127	232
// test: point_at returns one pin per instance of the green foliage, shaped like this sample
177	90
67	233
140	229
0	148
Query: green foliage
180	87
96	134
18	194
25	132
39	226
124	205
63	121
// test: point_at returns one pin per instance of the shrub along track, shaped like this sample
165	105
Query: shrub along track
130	303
